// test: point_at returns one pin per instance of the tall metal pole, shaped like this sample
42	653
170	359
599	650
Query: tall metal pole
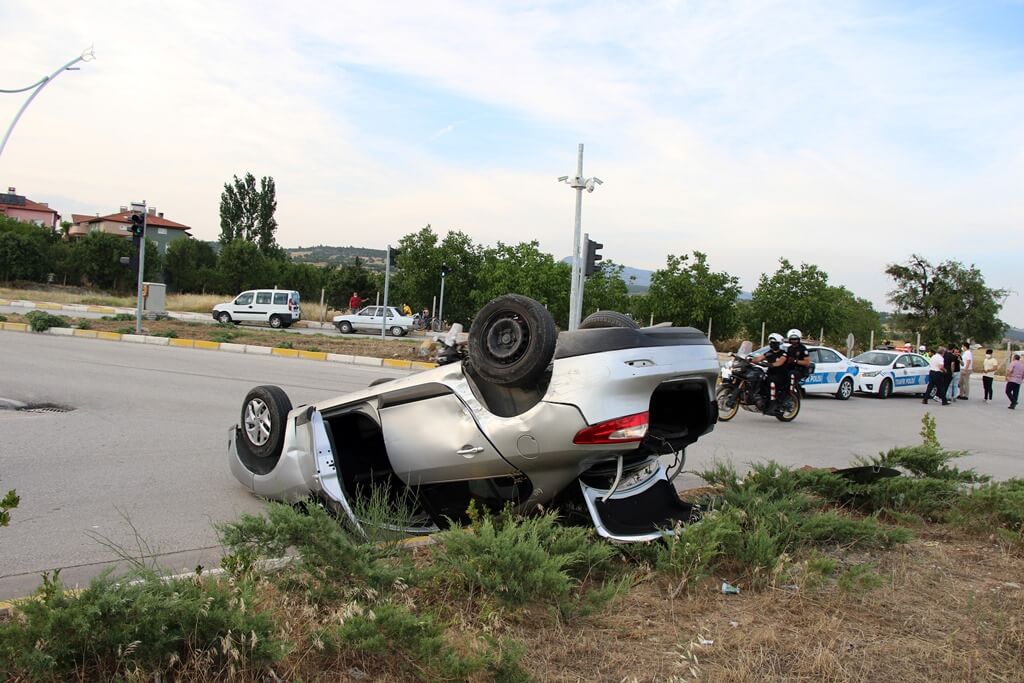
576	313
574	292
440	306
86	56
387	281
142	272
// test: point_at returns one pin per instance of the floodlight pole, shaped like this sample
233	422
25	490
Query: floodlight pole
578	183
87	55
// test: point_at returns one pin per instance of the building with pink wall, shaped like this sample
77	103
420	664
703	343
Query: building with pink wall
20	208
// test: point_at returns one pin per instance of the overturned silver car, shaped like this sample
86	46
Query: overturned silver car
524	416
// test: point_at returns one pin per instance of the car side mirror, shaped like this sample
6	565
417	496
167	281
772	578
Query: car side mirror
899	366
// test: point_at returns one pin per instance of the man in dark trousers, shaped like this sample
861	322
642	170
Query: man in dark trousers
950	366
936	377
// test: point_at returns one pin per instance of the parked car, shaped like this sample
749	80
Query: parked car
370	319
523	416
884	373
275	307
833	374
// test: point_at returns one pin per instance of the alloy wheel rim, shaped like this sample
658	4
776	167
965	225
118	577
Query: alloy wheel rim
257	421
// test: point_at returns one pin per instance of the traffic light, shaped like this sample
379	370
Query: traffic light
138	225
445	270
393	255
590	264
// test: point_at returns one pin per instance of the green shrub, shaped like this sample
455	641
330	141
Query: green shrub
391	637
3	318
859	578
41	321
688	553
8	503
170	334
520	560
114	628
285	345
126	330
124	317
83	324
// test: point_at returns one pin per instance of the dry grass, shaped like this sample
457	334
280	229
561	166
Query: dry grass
196	303
402	348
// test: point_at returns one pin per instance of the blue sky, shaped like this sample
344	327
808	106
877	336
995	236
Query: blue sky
845	134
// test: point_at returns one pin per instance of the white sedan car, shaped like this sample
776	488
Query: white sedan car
833	374
373	319
884	373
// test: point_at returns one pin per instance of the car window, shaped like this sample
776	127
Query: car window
874	358
919	362
295	297
244	299
263	297
280	298
904	361
827	356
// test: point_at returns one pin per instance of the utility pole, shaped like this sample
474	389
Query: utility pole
37	87
578	183
140	208
387	282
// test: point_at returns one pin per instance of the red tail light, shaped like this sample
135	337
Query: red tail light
619	430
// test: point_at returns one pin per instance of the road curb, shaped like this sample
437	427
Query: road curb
202	344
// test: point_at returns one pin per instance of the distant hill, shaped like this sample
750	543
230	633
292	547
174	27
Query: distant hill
1014	334
321	255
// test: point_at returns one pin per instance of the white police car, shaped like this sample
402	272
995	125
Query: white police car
884	373
833	373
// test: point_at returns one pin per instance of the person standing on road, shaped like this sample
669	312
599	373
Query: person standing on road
989	374
354	302
951	365
966	367
1014	377
936	377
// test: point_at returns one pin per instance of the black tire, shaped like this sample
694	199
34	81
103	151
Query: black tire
276	322
790	414
511	341
608	319
262	422
885	390
345	327
381	380
725	412
397	331
845	389
224	317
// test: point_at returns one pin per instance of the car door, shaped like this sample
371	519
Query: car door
368	319
263	306
242	307
828	370
918	370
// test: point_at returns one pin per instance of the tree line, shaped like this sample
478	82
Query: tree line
943	303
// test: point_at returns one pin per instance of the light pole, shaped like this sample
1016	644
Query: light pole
37	87
578	183
440	307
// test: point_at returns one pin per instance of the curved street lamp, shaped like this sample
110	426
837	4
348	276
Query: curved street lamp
87	56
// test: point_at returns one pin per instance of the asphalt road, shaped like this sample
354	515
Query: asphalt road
146	445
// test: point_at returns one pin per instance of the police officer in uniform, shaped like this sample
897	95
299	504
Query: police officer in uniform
798	358
777	371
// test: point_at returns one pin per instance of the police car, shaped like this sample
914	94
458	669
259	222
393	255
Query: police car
833	373
884	373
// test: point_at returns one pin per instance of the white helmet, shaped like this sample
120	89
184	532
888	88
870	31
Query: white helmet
775	336
794	333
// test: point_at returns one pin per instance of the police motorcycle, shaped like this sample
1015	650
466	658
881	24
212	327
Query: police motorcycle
745	384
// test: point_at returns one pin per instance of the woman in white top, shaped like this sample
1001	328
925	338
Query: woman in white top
989	373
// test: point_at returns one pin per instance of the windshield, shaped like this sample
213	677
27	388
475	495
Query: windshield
744	349
874	358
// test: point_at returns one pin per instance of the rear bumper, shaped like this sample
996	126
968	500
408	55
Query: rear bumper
642	511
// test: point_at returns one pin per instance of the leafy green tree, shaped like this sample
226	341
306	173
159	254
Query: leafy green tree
187	265
605	290
417	278
247	212
524	269
242	266
687	292
97	257
351	277
24	250
945	303
857	316
791	297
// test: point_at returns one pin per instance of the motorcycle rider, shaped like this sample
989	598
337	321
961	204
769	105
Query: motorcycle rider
778	372
798	358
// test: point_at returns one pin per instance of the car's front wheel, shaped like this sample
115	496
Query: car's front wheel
264	412
512	341
345	327
885	391
224	317
845	389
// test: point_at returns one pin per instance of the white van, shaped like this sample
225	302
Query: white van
275	307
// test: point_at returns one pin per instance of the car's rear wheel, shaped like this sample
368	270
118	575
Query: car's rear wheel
224	317
600	319
345	327
885	390
512	341
728	403
794	409
397	331
845	389
264	411
276	322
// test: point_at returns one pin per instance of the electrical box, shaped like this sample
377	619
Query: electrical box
154	298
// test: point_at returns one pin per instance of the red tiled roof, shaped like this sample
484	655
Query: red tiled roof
30	205
81	217
151	220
